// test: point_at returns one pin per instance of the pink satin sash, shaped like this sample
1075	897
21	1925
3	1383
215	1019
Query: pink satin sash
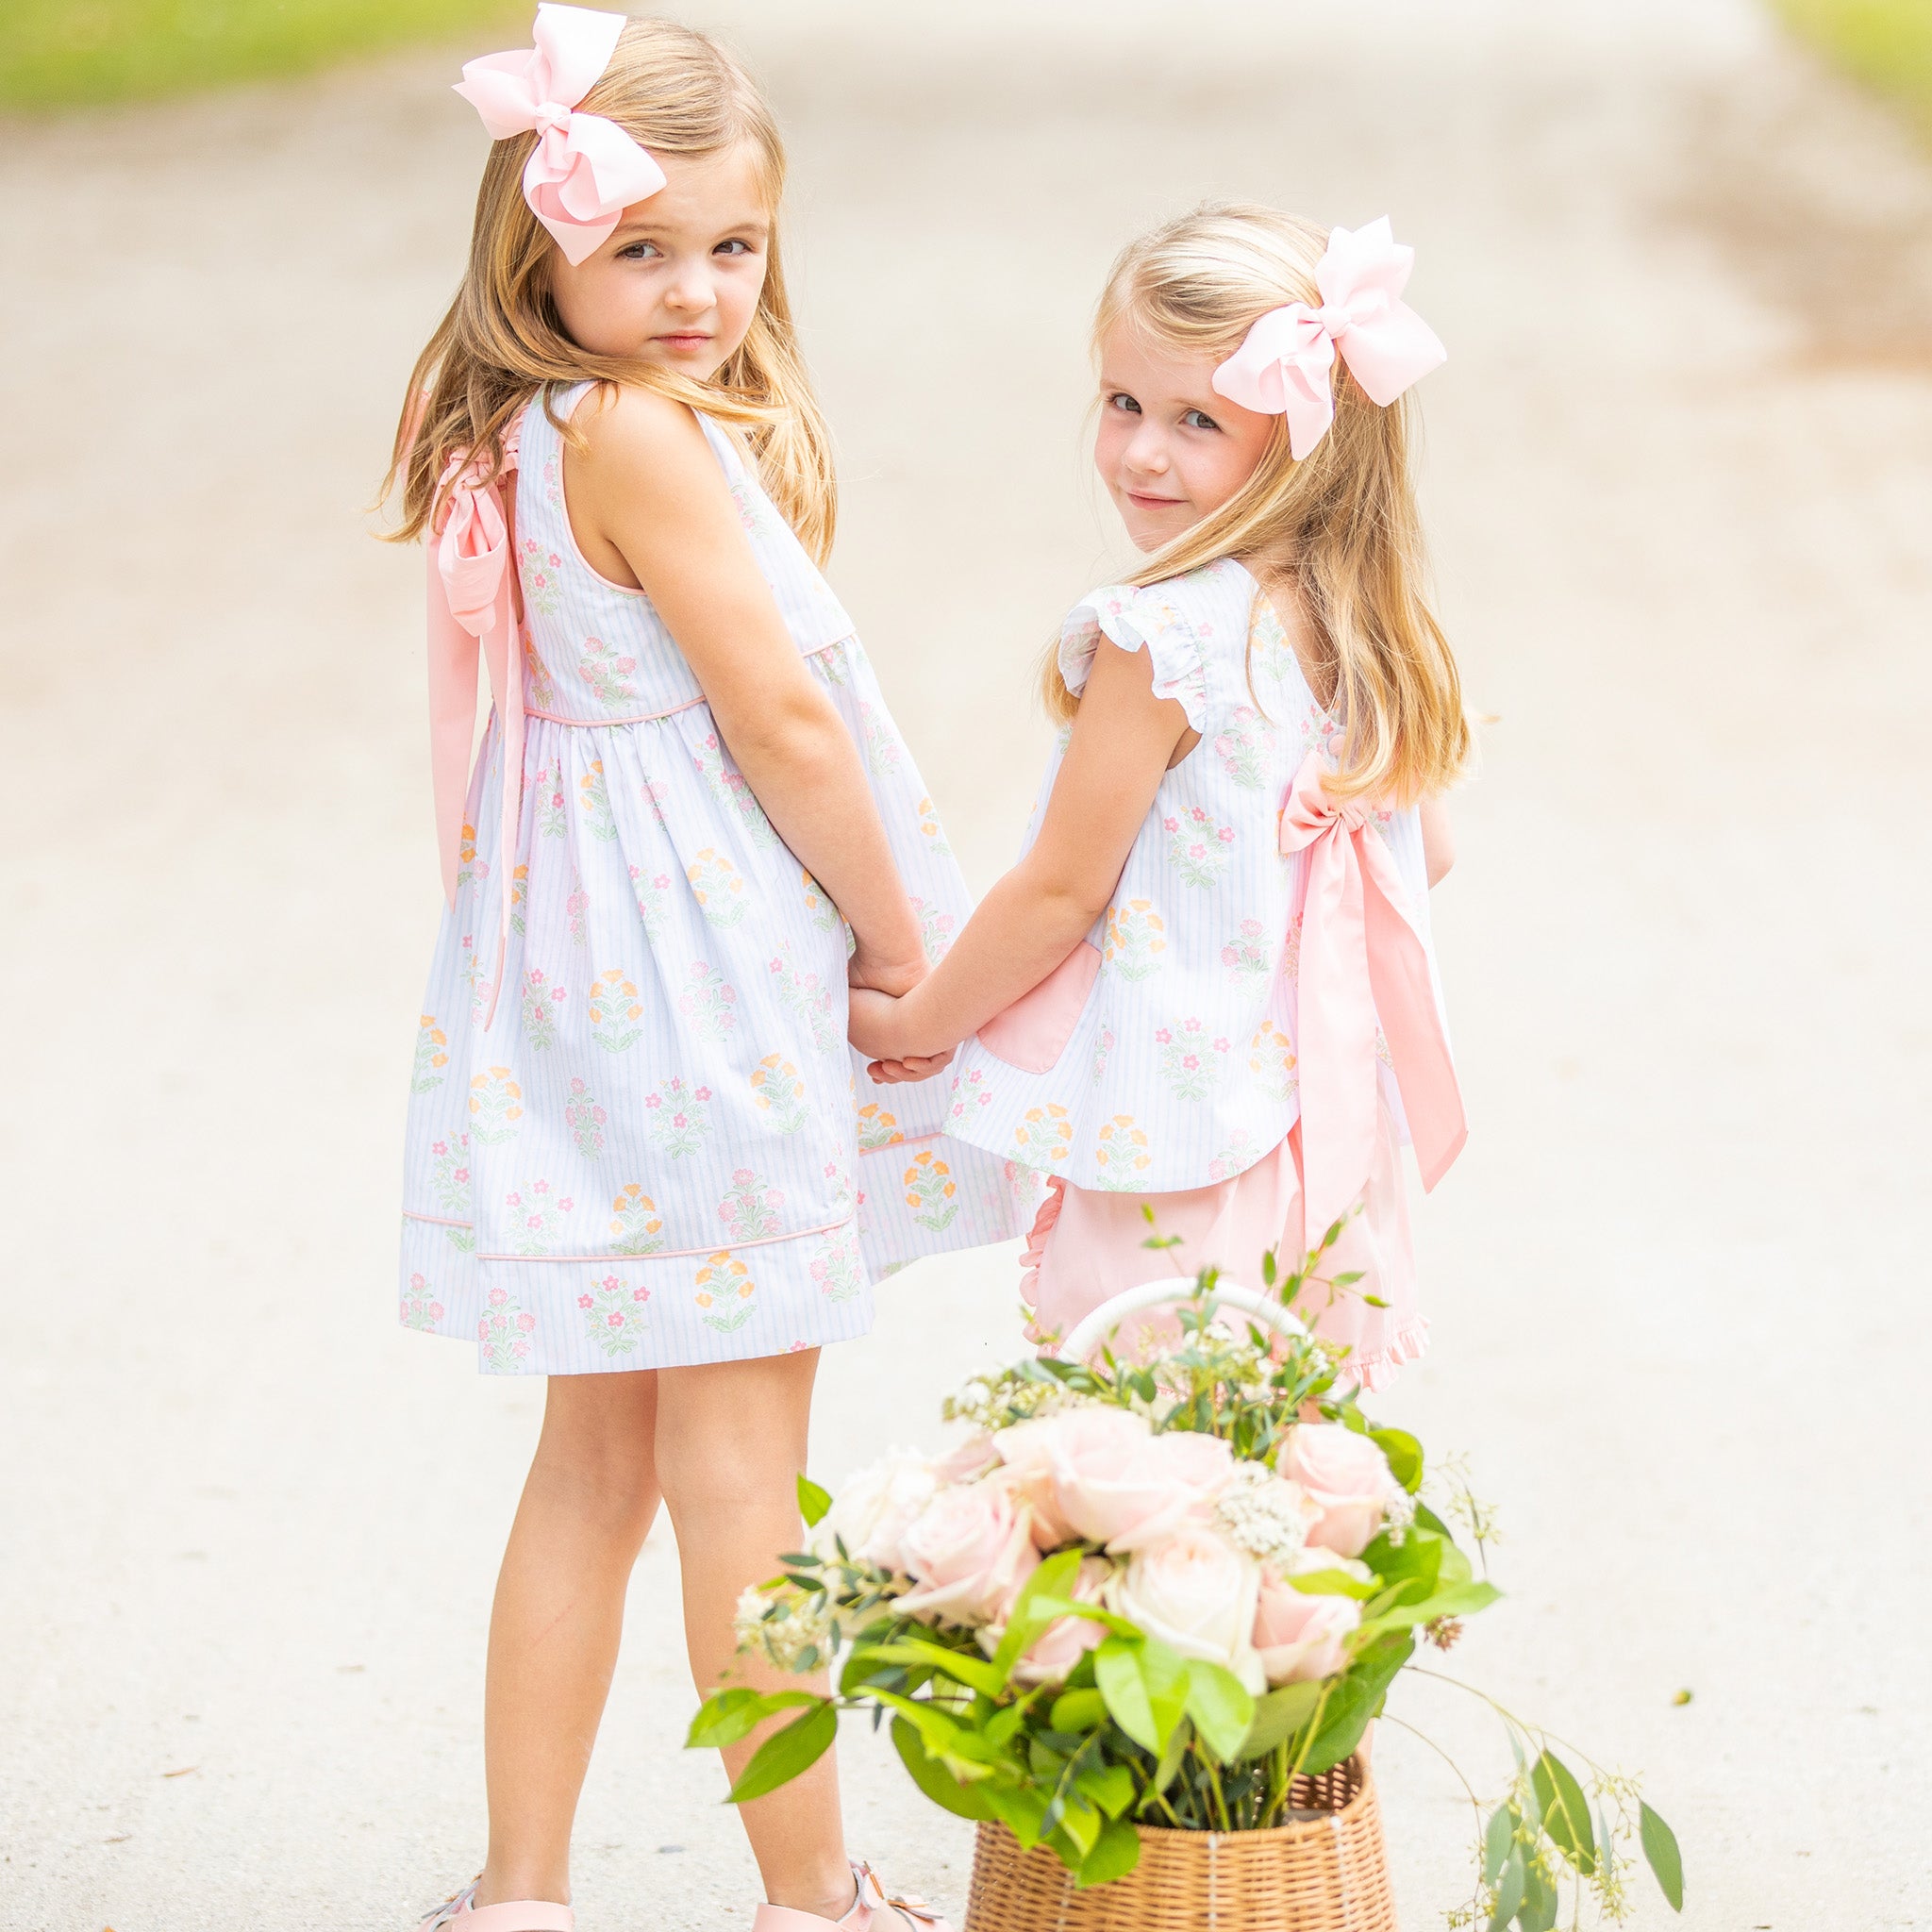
1361	961
473	610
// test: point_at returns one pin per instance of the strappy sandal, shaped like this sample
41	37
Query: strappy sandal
870	1911
462	1914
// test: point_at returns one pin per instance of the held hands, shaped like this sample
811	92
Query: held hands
876	1028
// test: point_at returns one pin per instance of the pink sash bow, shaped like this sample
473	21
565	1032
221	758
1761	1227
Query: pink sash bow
1361	961
473	609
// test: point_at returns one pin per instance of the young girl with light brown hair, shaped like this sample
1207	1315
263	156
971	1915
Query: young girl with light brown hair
634	1162
1207	988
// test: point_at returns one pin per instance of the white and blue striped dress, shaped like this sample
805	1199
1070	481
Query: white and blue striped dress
656	1153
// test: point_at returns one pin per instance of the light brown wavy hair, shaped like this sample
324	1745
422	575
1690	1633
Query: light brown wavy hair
1342	524
678	92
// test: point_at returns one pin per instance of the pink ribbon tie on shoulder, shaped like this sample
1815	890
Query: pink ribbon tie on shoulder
473	611
585	169
1361	961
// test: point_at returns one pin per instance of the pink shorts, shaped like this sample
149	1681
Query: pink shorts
1086	1245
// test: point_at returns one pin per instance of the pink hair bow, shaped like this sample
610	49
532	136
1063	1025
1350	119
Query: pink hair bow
1284	367
1361	964
585	171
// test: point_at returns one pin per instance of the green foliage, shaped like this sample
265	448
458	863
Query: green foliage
1885	43
812	1501
71	53
1661	1855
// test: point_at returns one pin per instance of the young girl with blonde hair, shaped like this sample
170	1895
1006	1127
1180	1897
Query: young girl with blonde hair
635	1162
1207	986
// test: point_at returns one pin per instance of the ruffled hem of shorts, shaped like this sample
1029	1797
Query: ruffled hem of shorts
1044	1222
1410	1343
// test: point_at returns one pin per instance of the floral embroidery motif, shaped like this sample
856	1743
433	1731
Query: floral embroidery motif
1246	958
615	1012
594	801
609	675
726	1292
546	791
676	1117
932	831
542	587
878	1128
882	750
1136	937
519	900
543	691
505	1333
719	888
1102	1052
935	931
1246	747
651	890
584	1117
613	1313
1119	1152
750	1209
748	509
1192	1064
496	1106
931	1191
779	1092
1291	952
432	1056
729	787
1198	846
706	1002
1239	1155
449	1176
836	1266
534	1212
635	1227
471	871
820	910
1045	1136
420	1310
969	1085
541	1002
553	484
1271	1060
802	994
577	911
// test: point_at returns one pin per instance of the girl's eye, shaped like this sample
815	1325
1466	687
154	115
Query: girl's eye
638	251
732	247
1197	419
1120	400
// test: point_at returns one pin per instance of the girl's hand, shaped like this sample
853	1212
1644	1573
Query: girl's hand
896	976
913	1068
873	1024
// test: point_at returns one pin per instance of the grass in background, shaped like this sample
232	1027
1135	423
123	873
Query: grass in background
72	53
1886	44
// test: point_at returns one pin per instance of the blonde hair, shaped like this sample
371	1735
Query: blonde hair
1342	521
678	92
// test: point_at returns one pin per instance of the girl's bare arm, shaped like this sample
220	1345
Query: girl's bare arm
649	487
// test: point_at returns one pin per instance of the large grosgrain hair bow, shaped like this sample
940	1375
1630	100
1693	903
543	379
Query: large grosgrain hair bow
1285	366
585	171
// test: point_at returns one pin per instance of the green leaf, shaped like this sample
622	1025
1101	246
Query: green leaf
1109	1785
1020	1808
1538	1912
1116	1671
1278	1717
1566	1811
1221	1705
786	1753
1333	1582
1115	1853
1429	1520
1023	1624
725	1716
1164	1675
962	1667
1404	1456
1082	1824
935	1780
1661	1855
1413	1564
1509	1890
1171	1755
1461	1600
812	1501
1497	1839
1077	1711
1051	1608
1355	1698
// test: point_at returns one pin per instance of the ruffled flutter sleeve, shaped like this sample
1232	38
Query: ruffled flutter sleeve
1138	619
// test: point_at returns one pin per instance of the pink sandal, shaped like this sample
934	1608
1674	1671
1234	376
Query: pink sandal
514	1915
870	1911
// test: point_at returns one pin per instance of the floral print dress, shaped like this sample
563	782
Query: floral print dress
652	1153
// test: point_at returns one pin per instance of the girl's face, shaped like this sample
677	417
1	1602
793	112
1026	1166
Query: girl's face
1169	449
678	282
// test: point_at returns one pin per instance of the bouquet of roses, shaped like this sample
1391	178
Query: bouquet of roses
1152	1592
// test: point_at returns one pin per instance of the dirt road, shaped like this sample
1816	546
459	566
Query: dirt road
1680	489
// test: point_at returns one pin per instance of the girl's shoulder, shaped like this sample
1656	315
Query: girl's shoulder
1191	627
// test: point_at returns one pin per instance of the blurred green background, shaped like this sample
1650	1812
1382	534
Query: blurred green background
62	53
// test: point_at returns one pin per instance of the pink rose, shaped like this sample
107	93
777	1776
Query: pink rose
969	1550
1196	1593
1100	1473
1066	1640
1301	1638
1347	1476
977	1453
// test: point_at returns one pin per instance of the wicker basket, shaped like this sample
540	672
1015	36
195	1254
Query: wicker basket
1317	1875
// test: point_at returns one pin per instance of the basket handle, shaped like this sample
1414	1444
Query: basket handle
1104	1320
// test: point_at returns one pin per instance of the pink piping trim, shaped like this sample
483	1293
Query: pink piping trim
688	704
798	1234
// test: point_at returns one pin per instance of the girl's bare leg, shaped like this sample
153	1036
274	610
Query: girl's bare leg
587	1506
731	1443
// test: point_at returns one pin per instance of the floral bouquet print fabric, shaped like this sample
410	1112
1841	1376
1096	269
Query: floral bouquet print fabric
1180	1069
654	1155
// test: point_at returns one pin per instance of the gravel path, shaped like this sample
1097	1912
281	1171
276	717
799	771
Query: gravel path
1680	488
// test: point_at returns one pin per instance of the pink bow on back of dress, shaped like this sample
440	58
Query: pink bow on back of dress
472	612
1361	962
585	171
1285	366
